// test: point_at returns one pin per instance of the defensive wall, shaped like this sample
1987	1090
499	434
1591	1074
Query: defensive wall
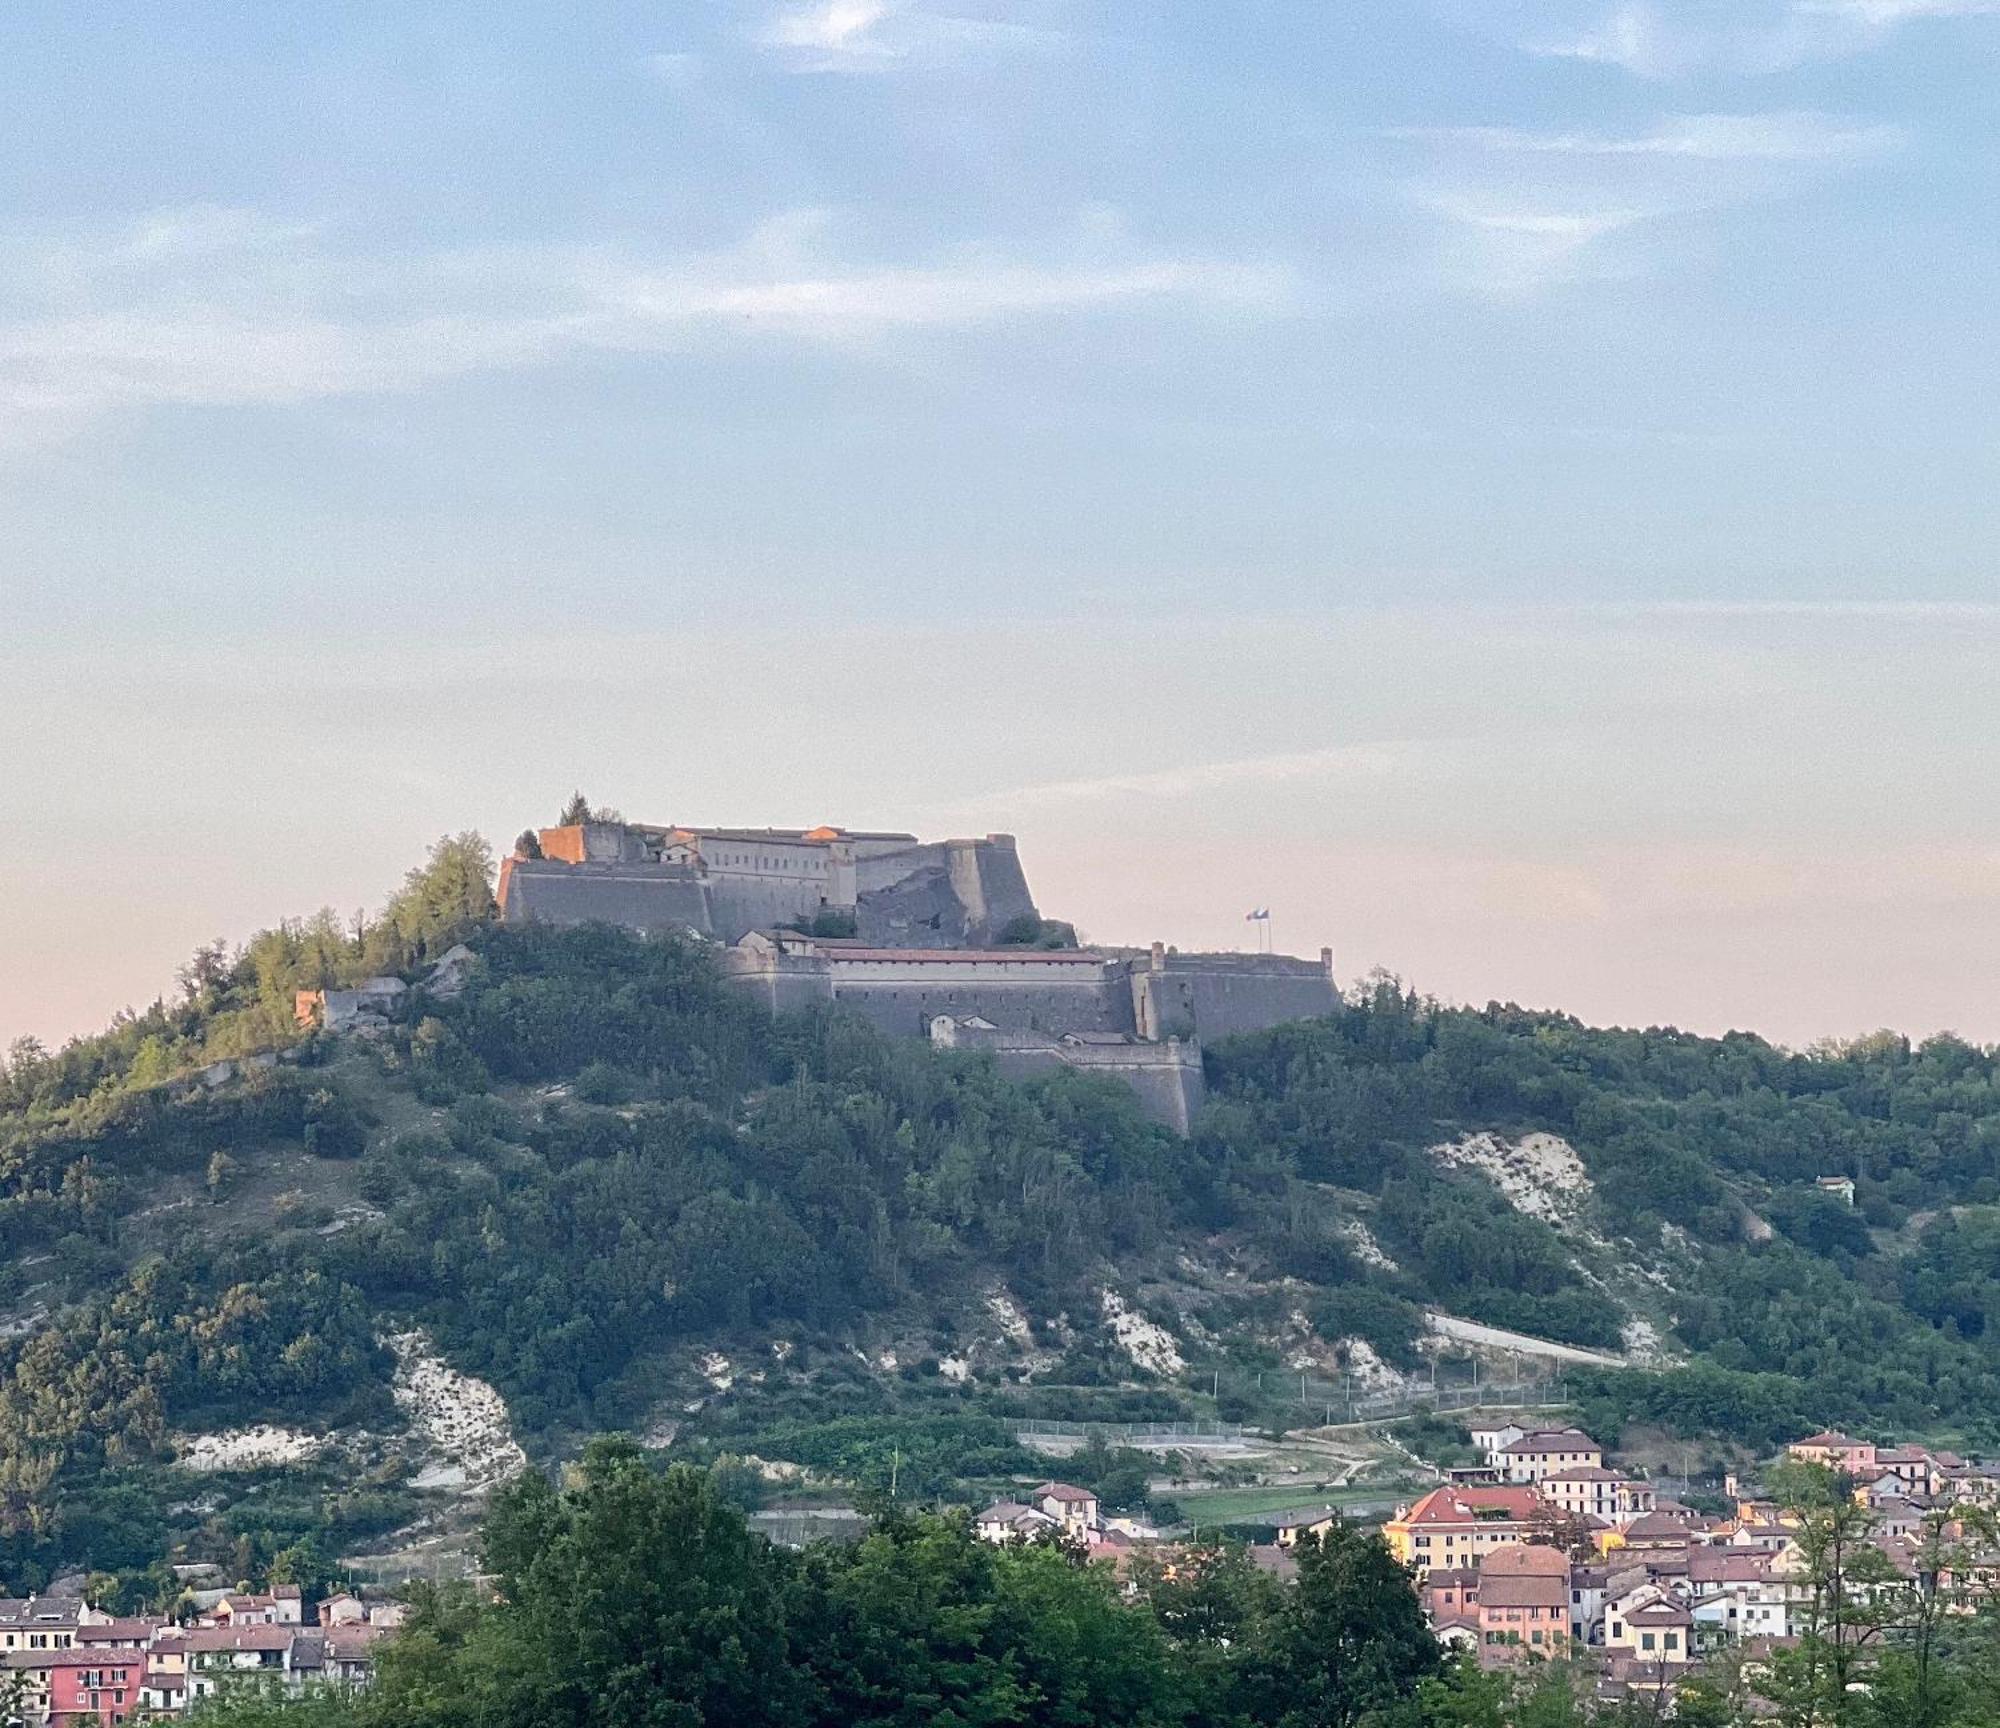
644	897
902	990
1150	994
1218	995
1166	1077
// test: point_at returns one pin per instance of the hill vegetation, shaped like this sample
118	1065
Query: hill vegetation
594	1166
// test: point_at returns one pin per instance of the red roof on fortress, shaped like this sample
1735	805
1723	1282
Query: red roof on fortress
961	956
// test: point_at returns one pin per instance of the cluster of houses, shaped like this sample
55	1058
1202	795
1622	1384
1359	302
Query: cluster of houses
1062	1509
1543	1552
74	1664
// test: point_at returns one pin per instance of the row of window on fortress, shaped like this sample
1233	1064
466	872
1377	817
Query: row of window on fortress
757	862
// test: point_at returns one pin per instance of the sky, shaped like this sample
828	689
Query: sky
1511	485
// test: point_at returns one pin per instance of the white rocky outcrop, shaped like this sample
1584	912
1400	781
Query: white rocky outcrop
461	1419
1366	1249
1008	1317
256	1448
1371	1373
1540	1174
1152	1348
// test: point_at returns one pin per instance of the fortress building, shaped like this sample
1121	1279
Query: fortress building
898	891
925	939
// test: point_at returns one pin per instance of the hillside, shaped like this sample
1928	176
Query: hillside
273	1292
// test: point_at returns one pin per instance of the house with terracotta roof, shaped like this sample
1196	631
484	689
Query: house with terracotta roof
1648	1530
126	1632
219	1656
1523	1604
1002	1522
1549	1451
1652	1624
1303	1521
93	1686
1450	1593
1457	1526
1835	1450
1914	1467
1075	1509
1592	1491
43	1622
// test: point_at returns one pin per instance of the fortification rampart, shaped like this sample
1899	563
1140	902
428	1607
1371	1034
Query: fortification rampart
904	990
1212	996
1166	1078
650	898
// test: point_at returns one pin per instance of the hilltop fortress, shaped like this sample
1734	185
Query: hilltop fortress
937	939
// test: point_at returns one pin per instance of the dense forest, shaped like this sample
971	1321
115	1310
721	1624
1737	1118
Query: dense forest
631	1598
594	1152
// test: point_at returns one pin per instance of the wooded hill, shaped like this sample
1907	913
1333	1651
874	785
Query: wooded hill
594	1167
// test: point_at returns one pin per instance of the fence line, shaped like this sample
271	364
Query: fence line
1334	1405
1154	1431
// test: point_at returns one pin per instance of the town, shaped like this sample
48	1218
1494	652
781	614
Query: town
73	1663
1546	1552
1543	1552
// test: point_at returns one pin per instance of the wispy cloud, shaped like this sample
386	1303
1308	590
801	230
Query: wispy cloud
225	308
1798	136
881	35
1664	39
1524	210
833	26
1887	14
1498	246
1371	761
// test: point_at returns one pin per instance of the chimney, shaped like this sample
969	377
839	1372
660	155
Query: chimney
1326	960
1159	956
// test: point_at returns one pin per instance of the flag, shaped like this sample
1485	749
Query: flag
1261	916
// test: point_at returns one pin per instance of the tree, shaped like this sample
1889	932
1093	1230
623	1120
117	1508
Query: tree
527	844
206	972
1850	1595
631	1598
440	900
222	1172
575	812
1350	1639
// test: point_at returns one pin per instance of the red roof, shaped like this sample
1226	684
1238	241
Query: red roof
1472	1504
1522	1560
206	1638
1064	1492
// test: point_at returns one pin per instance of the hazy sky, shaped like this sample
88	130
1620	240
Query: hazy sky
1512	485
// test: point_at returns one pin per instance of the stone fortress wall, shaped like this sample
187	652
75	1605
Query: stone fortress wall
1166	1077
923	960
900	891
